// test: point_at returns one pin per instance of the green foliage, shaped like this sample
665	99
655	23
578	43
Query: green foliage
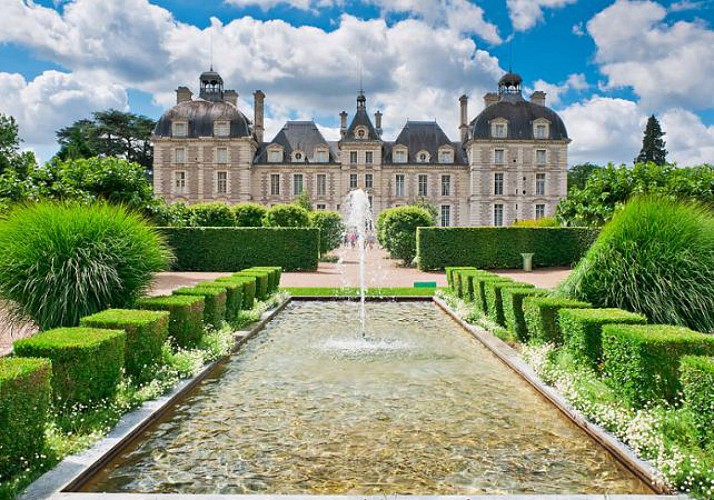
25	393
426	204
185	317
463	281
212	214
60	262
262	288
398	227
176	214
449	271
303	200
146	332
541	315
542	222
86	362
234	296
609	188
656	257
12	161
642	361
331	227
274	274
578	175
249	214
493	291
582	330
228	249
512	300
501	247
652	144
286	216
214	311
697	378
249	284
481	302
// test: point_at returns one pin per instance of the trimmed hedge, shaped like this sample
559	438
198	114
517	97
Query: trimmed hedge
642	361
275	273
185	316
86	362
449	270
512	300
226	249
25	393
249	287
582	330
697	378
479	286
146	332
541	315
466	277
261	282
501	247
234	296
214	310
494	298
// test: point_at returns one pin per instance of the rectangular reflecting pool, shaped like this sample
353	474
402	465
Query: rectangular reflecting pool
416	406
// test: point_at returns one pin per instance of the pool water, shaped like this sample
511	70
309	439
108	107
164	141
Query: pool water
416	407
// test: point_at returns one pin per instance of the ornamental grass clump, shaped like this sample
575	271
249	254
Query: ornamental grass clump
655	257
62	261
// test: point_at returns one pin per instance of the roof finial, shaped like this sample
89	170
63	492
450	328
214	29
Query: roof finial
211	51
510	55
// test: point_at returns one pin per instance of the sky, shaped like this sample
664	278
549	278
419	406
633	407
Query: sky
606	65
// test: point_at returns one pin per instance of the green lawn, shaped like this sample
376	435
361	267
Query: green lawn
354	292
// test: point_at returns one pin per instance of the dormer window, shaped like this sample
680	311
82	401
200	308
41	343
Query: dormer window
400	155
275	154
179	129
541	129
221	128
423	157
361	133
499	130
321	156
298	156
446	155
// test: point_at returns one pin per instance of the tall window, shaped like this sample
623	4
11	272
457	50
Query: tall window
445	185
499	156
399	185
221	182
353	181
541	131
368	157
274	184
539	211
540	185
320	206
180	182
423	185
353	156
498	130
498	184
400	156
221	128
321	184
180	129
222	155
540	156
275	156
446	156
297	184
368	181
445	215
180	155
498	214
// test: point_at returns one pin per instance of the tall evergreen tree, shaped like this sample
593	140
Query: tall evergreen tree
653	144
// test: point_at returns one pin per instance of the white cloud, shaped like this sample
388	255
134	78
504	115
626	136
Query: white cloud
688	5
688	140
525	14
575	82
665	64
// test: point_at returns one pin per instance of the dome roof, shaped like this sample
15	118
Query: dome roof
200	115
510	79
520	115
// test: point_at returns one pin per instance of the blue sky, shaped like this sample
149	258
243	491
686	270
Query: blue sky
605	64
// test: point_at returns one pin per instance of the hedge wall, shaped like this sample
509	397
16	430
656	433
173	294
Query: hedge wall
228	249
697	378
501	247
185	316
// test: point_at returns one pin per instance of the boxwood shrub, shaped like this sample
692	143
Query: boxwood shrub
25	393
273	277
480	300
185	316
501	247
697	378
214	310
466	277
512	300
234	296
541	315
249	287
449	270
642	361
261	282
494	298
226	249
86	362
582	330
146	332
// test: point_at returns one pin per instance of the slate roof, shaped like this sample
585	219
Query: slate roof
362	118
520	115
297	135
200	115
424	135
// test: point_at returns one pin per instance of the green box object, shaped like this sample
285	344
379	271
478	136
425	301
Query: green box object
214	310
234	296
425	284
249	287
480	299
512	300
541	314
275	274
185	316
261	286
494	298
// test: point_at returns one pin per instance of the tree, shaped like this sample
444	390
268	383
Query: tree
398	227
426	204
652	144
579	174
303	200
109	133
332	229
249	214
11	158
286	216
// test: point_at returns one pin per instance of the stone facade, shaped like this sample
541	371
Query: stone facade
510	164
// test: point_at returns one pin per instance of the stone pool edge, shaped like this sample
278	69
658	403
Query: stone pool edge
641	468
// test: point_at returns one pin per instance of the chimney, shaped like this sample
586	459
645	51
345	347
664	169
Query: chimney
463	123
378	122
183	94
231	96
490	98
343	124
538	97
259	114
